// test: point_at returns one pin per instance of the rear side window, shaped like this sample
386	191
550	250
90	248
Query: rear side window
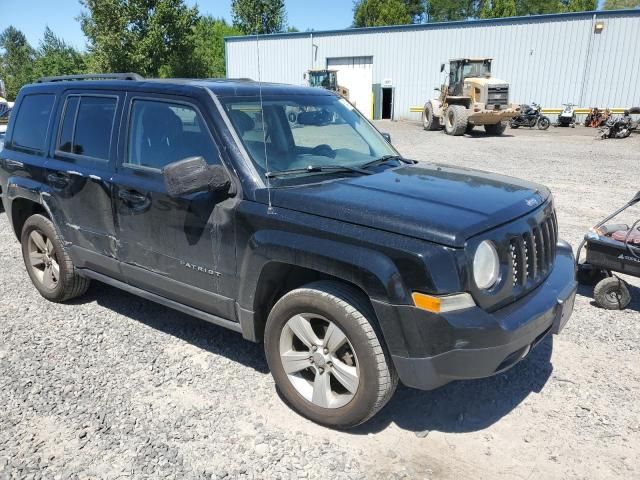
87	126
32	122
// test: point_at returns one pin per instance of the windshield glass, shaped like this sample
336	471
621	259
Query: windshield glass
477	69
303	131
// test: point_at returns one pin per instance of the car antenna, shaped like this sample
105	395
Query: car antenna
264	131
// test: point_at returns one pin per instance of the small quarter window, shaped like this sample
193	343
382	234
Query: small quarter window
32	122
68	124
161	133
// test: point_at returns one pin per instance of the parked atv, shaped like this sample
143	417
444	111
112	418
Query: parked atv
531	116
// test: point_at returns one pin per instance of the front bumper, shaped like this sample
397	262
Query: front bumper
473	343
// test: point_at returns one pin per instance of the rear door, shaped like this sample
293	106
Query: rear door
179	248
79	174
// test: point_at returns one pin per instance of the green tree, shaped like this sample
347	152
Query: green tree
621	4
452	10
55	57
580	5
259	16
208	47
16	60
417	9
373	13
150	37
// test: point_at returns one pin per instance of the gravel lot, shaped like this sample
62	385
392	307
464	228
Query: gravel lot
112	386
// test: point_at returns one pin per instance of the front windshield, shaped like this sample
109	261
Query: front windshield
303	131
477	69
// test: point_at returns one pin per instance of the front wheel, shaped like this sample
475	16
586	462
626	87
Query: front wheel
326	357
495	129
455	122
543	123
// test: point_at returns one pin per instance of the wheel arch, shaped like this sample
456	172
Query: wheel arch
274	269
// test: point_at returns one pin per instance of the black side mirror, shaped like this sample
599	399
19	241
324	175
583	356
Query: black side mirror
442	66
387	137
192	175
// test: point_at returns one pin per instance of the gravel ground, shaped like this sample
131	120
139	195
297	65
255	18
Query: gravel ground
112	386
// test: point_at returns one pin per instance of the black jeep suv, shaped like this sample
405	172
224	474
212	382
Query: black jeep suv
281	213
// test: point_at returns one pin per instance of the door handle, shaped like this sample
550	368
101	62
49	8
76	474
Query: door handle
58	180
131	196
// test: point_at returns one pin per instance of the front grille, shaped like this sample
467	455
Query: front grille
533	253
498	95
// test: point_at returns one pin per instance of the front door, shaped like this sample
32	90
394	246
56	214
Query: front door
79	175
180	248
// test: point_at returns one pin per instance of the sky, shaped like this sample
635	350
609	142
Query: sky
32	16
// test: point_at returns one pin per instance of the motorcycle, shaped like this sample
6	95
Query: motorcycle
620	127
530	117
567	117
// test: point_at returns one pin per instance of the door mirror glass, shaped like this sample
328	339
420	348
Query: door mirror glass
192	175
387	137
441	67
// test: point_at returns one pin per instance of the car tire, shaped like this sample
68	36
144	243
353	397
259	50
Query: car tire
429	120
352	356
495	129
455	122
612	293
48	263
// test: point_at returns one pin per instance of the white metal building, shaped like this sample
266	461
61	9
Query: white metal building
589	58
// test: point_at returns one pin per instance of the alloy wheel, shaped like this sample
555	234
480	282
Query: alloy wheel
43	260
319	360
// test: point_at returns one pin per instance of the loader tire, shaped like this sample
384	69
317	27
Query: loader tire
455	120
429	120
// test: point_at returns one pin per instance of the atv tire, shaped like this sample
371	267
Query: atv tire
455	122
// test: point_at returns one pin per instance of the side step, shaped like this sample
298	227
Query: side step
194	312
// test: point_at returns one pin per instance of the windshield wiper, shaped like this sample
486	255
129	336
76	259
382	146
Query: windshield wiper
317	169
386	158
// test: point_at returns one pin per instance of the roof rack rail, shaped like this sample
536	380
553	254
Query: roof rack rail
92	76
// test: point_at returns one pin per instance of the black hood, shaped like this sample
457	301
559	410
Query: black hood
432	202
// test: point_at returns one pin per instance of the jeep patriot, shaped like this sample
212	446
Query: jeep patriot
280	212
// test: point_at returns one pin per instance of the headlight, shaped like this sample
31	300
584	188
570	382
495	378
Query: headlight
486	265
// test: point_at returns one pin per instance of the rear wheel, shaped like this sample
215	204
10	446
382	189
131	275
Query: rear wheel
326	357
429	120
47	262
612	293
495	129
455	122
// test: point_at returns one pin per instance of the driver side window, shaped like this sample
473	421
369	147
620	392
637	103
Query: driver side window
161	133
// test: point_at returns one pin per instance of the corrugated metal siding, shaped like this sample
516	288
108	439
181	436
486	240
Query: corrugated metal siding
548	59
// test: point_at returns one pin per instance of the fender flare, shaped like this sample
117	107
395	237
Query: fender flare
370	270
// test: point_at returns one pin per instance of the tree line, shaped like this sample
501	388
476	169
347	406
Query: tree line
371	13
167	38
